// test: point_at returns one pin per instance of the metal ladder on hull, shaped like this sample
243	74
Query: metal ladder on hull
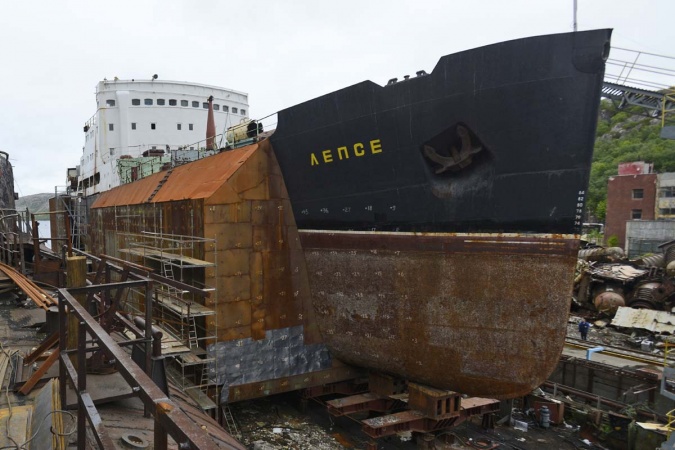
231	424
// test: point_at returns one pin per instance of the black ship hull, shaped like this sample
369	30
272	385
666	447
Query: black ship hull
495	139
439	215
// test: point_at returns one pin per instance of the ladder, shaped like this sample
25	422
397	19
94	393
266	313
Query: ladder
205	381
167	271
193	340
230	422
159	185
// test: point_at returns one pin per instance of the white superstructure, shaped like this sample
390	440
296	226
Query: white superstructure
137	116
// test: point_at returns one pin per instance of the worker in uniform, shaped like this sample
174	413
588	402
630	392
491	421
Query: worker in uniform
583	329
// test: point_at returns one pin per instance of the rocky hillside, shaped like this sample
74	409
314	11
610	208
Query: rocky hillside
36	203
623	136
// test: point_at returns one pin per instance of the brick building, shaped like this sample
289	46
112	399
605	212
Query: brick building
631	195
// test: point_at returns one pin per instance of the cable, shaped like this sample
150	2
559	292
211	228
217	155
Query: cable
16	445
9	402
61	411
644	53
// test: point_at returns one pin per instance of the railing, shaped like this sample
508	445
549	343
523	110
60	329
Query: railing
15	230
169	419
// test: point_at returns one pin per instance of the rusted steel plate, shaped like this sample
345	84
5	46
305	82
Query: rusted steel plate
292	383
360	402
482	315
197	180
552	245
129	194
202	178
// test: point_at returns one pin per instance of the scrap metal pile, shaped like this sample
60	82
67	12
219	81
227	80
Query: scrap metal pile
606	280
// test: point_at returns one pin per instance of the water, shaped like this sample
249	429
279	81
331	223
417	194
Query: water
45	232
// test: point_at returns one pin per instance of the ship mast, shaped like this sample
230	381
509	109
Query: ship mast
575	15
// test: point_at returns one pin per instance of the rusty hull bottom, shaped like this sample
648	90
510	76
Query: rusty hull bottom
484	315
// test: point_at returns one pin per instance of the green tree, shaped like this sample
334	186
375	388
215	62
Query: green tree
624	136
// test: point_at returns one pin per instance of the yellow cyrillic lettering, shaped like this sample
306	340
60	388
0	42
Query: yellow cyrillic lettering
358	149
375	146
313	160
341	151
327	156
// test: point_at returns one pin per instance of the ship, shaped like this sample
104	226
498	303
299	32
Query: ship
141	124
440	214
426	229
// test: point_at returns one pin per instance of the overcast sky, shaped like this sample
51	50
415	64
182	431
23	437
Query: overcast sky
280	52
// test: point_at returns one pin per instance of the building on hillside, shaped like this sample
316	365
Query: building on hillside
631	195
665	208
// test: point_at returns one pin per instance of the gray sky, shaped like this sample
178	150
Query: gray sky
280	52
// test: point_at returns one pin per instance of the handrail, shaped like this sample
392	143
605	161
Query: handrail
169	418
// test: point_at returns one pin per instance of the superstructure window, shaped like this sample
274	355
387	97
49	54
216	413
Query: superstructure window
184	103
133	125
234	110
179	126
172	102
190	127
225	108
110	102
638	193
636	214
195	104
136	101
112	152
161	102
111	127
205	105
243	112
216	107
153	126
148	102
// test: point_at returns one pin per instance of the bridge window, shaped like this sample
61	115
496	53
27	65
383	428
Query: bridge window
216	107
205	105
148	101
195	104
110	102
234	110
135	101
172	102
225	108
184	103
160	102
243	112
